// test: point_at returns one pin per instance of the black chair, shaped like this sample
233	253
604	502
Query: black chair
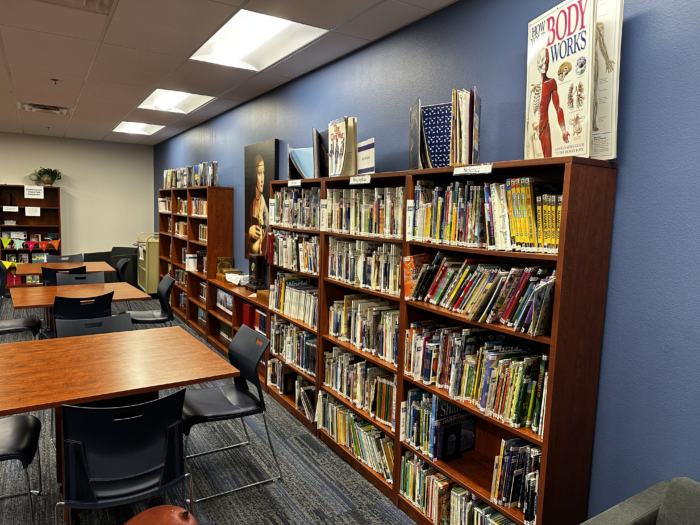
105	325
48	275
78	257
80	308
116	456
64	279
121	269
232	401
165	314
19	441
14	326
4	294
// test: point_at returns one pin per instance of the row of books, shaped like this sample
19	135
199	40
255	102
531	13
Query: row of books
170	225
367	443
203	232
372	212
204	174
180	276
201	314
296	251
254	318
366	264
515	481
195	262
296	346
518	297
203	291
296	208
369	324
226	331
439	429
24	258
181	228
165	204
181	206
523	214
199	207
183	301
370	388
224	301
293	295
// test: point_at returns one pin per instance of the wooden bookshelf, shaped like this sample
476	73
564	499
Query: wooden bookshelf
49	222
574	345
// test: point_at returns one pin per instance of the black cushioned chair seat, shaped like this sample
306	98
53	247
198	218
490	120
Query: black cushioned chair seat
24	324
148	316
19	438
217	404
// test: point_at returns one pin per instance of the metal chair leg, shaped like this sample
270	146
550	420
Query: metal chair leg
29	495
274	454
188	476
59	516
245	429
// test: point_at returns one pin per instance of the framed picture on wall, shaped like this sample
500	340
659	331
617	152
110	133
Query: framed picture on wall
261	167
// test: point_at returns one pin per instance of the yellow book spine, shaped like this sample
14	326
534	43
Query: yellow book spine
540	224
560	199
511	213
550	223
519	206
530	208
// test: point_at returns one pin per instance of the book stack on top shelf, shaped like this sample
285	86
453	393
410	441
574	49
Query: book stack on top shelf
448	381
29	227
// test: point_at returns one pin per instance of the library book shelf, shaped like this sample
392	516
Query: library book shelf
574	344
47	223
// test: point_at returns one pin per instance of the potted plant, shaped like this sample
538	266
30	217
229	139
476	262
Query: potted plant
48	175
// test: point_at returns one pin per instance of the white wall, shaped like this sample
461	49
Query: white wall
106	187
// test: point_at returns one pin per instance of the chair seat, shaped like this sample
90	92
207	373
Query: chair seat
148	316
217	404
19	438
24	324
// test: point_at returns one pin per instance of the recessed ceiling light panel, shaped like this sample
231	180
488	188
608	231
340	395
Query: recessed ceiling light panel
255	41
174	101
137	128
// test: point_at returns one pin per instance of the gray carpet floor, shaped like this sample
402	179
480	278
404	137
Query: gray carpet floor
318	487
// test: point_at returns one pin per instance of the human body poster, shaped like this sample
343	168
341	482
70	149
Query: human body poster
560	80
260	169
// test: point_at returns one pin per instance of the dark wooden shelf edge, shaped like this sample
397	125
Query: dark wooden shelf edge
286	403
488	253
364	415
383	295
364	355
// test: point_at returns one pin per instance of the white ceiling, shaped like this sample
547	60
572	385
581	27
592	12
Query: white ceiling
108	64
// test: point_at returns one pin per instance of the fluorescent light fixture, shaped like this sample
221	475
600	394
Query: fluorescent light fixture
174	101
137	128
255	41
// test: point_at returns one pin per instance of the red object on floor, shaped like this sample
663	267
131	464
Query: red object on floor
163	515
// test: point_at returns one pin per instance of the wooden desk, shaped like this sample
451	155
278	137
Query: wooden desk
43	296
90	267
43	374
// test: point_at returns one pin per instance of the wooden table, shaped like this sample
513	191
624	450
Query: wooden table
90	267
43	296
37	375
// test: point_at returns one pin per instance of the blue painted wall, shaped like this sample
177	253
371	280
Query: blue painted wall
648	422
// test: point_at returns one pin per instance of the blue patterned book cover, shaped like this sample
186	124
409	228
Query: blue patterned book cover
437	120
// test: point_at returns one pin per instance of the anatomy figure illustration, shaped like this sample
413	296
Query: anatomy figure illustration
544	94
609	66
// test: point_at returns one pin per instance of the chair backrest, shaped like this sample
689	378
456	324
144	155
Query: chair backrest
119	453
244	352
121	268
3	279
64	279
103	325
78	257
83	307
165	288
48	275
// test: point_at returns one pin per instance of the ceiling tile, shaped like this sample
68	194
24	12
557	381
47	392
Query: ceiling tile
134	59
34	42
236	3
59	66
163	134
41	83
213	73
7	103
54	19
4	80
216	107
114	93
150	116
95	110
328	48
44	123
199	17
326	14
90	129
151	38
385	18
431	5
259	84
195	86
127	76
10	123
123	137
44	99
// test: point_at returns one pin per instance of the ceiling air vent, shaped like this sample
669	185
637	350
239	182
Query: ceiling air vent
44	108
96	6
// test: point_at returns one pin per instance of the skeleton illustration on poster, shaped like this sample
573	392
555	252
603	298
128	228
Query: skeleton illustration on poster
260	169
